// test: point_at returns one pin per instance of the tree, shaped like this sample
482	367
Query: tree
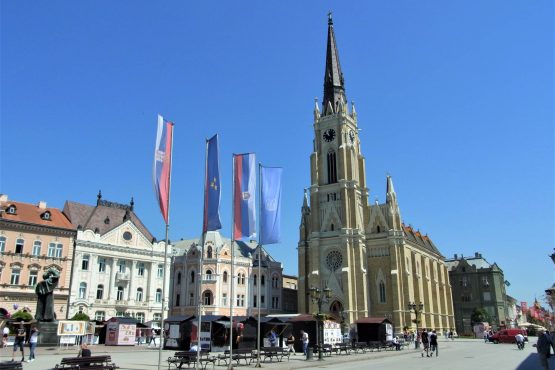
22	315
80	316
479	314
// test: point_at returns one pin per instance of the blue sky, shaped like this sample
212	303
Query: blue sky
455	101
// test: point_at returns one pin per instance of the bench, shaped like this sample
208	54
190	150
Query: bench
277	352
11	365
360	347
377	345
328	349
190	358
343	347
90	363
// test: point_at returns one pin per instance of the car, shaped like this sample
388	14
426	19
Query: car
507	336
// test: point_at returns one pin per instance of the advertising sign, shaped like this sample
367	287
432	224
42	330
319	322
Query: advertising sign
67	327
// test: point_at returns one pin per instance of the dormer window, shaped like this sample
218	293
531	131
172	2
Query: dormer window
46	216
11	210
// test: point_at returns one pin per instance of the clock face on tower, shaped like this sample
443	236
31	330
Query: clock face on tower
329	135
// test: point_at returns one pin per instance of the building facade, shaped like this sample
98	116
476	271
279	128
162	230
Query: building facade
478	283
290	291
217	278
118	268
33	238
373	264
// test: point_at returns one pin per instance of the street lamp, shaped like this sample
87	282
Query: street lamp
320	296
417	308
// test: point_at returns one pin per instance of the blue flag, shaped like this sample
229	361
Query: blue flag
212	188
270	204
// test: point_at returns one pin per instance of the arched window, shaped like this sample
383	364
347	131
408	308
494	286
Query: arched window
225	276
254	278
207	298
192	277
158	295
141	269
243	279
378	229
100	291
208	275
82	290
139	296
382	292
3	244
332	168
262	279
209	252
119	296
178	278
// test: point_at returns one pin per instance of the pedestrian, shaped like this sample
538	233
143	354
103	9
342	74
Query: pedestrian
304	338
519	338
85	351
291	343
152	338
425	342
33	339
396	343
273	338
433	344
543	347
5	334
19	342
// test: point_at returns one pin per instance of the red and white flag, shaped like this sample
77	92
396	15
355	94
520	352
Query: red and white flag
163	165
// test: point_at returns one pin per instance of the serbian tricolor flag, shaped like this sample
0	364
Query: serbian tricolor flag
244	189
163	165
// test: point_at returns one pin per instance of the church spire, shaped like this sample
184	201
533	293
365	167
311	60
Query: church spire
334	86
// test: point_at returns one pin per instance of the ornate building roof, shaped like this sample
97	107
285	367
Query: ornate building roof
36	214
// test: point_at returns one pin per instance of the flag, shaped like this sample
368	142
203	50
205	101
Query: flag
212	187
162	165
244	185
270	204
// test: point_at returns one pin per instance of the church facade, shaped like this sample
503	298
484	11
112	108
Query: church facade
373	263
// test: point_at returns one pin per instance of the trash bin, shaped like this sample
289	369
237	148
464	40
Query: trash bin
309	353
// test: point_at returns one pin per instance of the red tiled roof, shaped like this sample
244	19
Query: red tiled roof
31	214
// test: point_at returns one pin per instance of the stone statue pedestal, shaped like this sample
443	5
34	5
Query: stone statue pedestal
48	334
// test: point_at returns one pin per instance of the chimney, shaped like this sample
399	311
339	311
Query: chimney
477	255
42	204
3	197
456	256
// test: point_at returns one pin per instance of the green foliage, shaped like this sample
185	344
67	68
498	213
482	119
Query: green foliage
22	315
479	314
80	316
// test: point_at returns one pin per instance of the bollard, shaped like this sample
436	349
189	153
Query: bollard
309	353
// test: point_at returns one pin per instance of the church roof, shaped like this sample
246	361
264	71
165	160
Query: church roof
423	240
334	86
103	217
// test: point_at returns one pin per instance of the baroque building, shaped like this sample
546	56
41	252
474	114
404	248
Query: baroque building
478	284
118	266
217	278
373	263
33	238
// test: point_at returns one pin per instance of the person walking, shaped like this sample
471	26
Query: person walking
519	338
543	347
19	342
33	339
5	334
433	344
304	338
425	342
273	338
291	344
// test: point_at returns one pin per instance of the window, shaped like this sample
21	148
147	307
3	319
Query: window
382	292
209	252
33	277
119	295
275	302
485	281
100	291
158	296
101	264
262	301
121	266
157	316
208	275
36	247
160	272
224	299
177	299
254	278
82	290
178	278
139	296
19	246
332	168
262	280
100	315
2	243
46	215
225	276
141	269
140	316
240	300
55	250
241	279
191	299
192	277
254	300
85	262
11	210
207	298
14	279
487	296
120	314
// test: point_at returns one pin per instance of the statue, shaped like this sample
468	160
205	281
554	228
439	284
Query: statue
45	295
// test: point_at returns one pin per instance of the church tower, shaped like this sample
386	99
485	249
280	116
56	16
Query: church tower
332	252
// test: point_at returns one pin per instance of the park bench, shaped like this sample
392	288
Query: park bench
89	363
377	345
343	347
361	347
11	365
328	349
190	358
274	352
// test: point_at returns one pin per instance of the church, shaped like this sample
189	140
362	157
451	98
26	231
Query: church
372	263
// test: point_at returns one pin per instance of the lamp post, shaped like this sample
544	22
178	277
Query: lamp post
320	296
417	308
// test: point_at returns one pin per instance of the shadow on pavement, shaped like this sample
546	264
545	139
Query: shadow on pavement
532	362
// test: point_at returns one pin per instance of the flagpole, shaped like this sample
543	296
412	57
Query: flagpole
230	367
259	265
162	331
201	252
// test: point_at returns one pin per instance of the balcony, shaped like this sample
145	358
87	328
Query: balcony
122	276
122	303
209	278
